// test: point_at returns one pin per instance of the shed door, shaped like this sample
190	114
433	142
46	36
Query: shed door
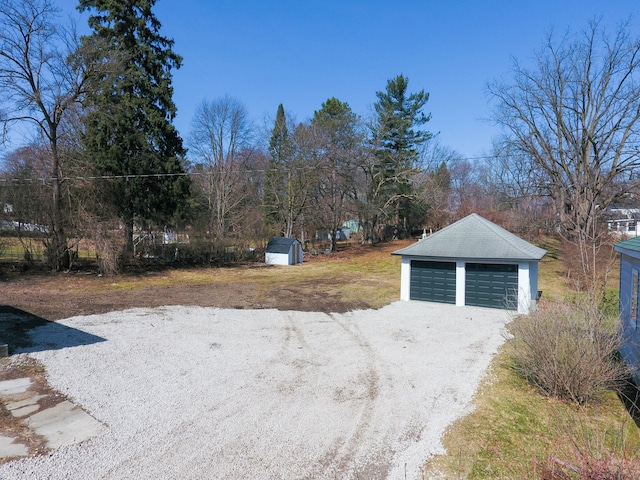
433	281
491	285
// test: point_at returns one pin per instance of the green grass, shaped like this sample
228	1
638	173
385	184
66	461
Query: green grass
514	429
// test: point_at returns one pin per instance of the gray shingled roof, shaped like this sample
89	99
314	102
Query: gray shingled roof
280	244
474	238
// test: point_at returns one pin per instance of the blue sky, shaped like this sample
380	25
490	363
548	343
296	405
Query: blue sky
300	53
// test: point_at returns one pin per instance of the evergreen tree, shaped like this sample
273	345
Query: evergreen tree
128	127
396	138
280	151
288	179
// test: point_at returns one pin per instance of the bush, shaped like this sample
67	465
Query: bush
610	467
568	350
588	450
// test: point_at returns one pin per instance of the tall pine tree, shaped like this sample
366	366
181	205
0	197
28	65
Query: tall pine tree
274	195
396	138
128	126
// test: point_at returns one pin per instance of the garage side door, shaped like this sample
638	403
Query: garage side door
433	281
491	285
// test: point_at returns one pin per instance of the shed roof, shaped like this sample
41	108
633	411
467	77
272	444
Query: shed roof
280	244
474	238
631	246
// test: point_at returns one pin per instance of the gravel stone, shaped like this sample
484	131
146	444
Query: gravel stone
192	392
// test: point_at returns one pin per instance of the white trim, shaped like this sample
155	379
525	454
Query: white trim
461	283
524	288
405	278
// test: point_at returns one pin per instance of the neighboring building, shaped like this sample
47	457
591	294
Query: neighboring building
283	251
472	262
629	251
623	221
342	233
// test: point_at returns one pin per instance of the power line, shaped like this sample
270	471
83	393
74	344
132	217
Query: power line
92	177
45	180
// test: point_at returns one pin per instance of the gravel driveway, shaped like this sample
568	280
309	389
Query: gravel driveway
190	392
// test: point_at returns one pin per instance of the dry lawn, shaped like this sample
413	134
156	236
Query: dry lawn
356	277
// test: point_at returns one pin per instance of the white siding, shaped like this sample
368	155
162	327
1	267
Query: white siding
527	283
293	256
276	258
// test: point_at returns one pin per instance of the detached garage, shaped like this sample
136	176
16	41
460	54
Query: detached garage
472	262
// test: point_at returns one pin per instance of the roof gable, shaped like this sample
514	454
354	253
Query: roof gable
280	244
474	237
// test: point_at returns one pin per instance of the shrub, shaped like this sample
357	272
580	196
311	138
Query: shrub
610	467
568	350
588	450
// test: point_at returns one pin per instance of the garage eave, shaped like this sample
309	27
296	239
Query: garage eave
464	259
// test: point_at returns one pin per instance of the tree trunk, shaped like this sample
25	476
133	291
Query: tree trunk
58	250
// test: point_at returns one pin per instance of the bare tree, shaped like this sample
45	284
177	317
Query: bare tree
26	195
221	139
300	182
433	185
512	178
575	116
339	147
41	78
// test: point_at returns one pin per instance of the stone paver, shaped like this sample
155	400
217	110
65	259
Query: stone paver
10	448
15	386
62	424
29	405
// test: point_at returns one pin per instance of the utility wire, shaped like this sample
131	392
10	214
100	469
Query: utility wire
45	180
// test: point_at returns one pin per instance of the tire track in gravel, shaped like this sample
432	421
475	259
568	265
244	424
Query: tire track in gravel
295	353
341	457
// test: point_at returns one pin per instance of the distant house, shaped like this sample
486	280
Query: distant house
629	251
623	221
472	262
283	251
342	233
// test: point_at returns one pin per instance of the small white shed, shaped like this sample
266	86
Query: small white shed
283	251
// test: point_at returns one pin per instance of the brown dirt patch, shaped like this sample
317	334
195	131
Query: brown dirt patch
84	292
72	294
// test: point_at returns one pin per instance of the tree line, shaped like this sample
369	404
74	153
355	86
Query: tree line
104	161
